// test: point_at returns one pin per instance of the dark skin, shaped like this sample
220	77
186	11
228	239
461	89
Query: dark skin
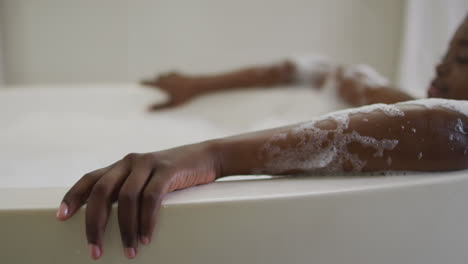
139	182
183	88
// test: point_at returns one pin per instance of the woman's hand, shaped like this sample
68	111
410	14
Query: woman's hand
139	182
180	89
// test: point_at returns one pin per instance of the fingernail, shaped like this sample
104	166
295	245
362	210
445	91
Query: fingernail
94	251
62	211
130	253
145	240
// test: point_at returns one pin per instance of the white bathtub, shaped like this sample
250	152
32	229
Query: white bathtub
50	136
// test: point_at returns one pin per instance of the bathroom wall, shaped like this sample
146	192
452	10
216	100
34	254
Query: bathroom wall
69	41
1	53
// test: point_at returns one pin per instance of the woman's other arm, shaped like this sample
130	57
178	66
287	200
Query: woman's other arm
360	85
356	85
182	88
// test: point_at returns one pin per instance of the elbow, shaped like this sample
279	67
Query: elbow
447	143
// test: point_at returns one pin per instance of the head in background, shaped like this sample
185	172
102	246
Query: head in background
451	79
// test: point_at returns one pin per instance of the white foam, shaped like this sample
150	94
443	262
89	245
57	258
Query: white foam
317	150
389	161
312	67
460	106
365	75
389	110
363	78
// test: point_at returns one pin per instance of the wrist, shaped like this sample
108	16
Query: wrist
218	151
233	156
215	149
241	155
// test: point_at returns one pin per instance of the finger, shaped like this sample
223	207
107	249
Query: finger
153	194
128	206
161	106
339	73
150	83
168	75
99	205
78	194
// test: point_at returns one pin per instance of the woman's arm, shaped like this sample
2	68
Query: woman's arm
406	136
311	70
357	85
181	88
389	138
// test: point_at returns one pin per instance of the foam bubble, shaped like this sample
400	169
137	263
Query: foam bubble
389	161
325	150
365	75
460	106
311	67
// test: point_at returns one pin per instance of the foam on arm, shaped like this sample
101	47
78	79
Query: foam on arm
420	135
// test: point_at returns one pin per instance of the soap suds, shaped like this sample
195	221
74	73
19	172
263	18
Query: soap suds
366	75
460	106
321	73
324	150
312	67
316	151
459	127
363	78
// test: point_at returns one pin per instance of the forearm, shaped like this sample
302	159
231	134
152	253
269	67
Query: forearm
311	70
257	76
402	137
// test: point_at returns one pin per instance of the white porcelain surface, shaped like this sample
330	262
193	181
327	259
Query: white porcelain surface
50	136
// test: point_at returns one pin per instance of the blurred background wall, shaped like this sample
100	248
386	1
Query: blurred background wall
88	41
1	54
